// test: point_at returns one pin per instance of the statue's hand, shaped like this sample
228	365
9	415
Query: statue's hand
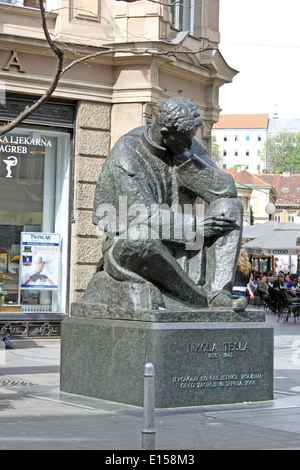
182	157
215	225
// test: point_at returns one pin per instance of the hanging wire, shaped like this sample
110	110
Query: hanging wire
292	201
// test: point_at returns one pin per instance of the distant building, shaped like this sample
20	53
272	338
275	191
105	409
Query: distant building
240	138
244	193
254	193
287	203
277	125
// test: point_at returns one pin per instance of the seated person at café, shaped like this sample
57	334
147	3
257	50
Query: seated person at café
279	282
256	275
253	284
262	288
288	283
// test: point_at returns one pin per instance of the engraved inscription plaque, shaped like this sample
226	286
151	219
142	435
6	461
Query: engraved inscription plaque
195	363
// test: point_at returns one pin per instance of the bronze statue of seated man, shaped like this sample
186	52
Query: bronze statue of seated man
157	236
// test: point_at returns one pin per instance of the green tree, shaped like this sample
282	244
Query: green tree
251	216
282	153
296	154
215	150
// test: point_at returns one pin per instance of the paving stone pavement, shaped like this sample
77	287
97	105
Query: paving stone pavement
35	415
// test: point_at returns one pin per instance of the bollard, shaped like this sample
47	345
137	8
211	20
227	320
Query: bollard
148	432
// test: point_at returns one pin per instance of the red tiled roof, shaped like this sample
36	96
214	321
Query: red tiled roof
242	121
231	171
244	177
287	187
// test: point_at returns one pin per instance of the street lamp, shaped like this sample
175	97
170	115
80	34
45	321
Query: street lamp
270	209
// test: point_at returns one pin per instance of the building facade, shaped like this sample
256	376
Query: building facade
287	202
50	163
277	124
255	193
240	138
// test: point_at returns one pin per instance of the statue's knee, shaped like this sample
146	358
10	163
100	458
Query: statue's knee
130	251
237	210
235	206
231	207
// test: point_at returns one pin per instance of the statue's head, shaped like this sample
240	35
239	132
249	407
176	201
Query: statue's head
177	120
178	113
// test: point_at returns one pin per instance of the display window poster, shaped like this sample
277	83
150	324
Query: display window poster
40	260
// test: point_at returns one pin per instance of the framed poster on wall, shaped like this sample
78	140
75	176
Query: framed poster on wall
40	261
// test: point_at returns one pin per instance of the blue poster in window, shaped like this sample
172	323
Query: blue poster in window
39	260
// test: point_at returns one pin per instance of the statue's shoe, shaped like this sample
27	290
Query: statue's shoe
223	300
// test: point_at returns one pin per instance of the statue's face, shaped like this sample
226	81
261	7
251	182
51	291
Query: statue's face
178	142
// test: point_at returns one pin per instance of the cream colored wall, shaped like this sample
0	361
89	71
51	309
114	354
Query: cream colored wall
141	20
91	21
207	20
286	213
259	199
21	21
244	195
125	117
96	22
92	144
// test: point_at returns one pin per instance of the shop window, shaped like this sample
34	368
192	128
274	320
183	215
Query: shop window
34	178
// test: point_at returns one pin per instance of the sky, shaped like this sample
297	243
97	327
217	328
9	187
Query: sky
261	39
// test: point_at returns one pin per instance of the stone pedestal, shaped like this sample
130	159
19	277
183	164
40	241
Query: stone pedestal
200	357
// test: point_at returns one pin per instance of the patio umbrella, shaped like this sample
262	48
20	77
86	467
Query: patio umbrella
256	230
276	242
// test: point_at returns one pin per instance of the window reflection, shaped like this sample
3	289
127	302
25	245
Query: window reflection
29	187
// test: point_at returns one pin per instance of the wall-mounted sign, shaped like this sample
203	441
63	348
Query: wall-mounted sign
20	147
17	143
39	261
14	61
280	252
10	161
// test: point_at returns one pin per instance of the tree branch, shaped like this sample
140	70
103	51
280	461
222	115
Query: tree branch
60	70
170	53
59	67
